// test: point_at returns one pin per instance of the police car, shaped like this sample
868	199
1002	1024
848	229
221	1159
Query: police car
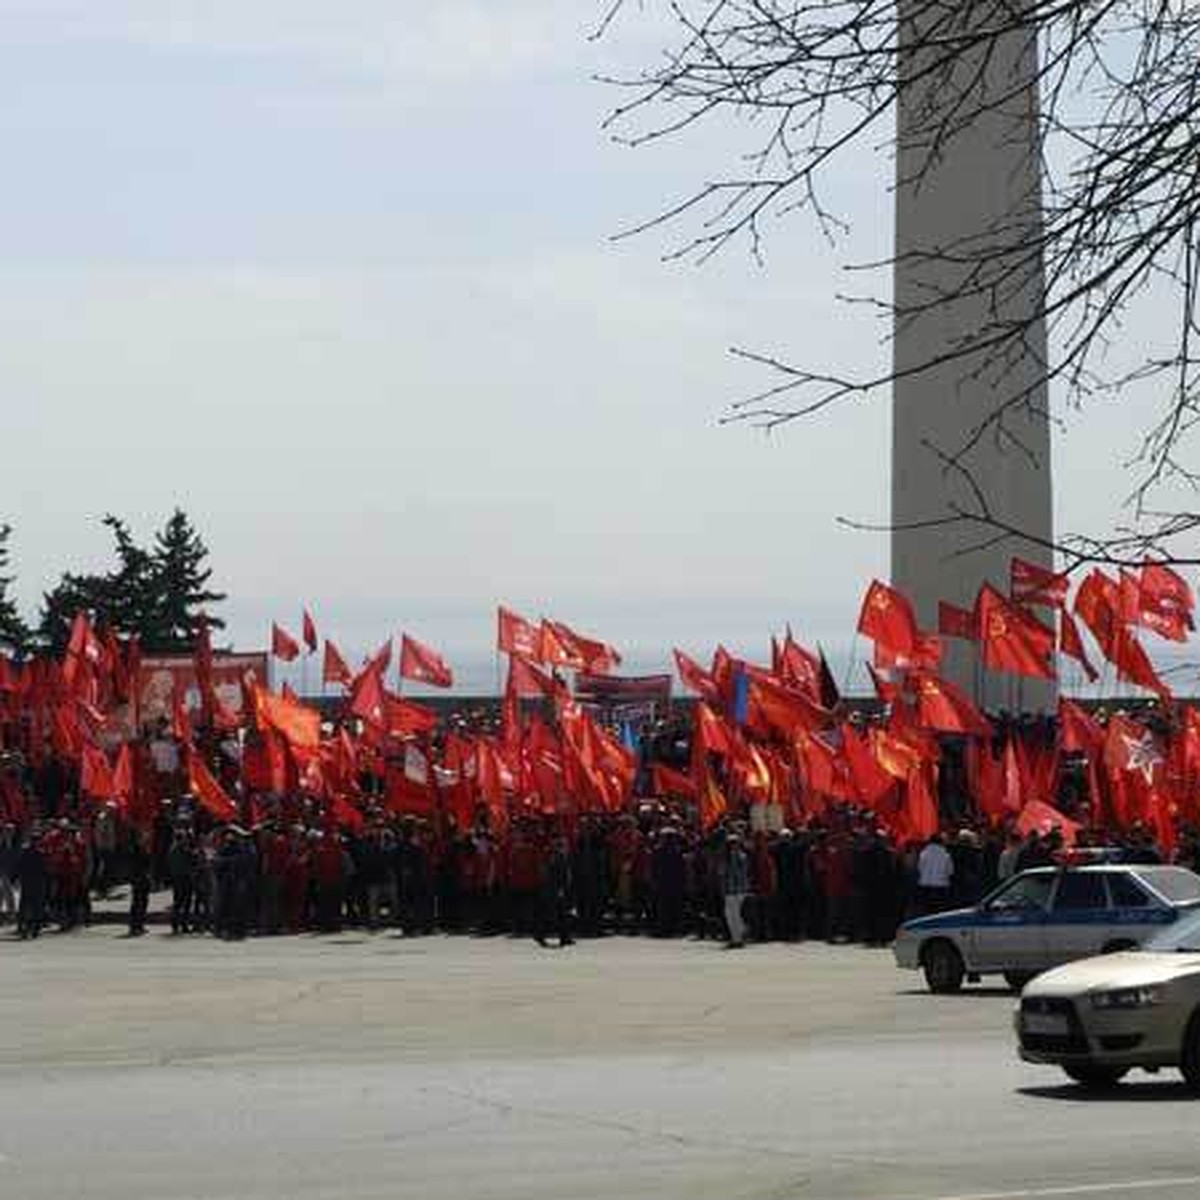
1044	917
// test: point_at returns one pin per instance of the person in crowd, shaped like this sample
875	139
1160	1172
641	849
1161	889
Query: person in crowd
554	895
935	876
33	879
184	867
736	887
139	865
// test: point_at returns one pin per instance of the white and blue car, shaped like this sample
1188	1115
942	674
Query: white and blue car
1044	917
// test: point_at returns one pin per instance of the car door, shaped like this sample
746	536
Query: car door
1080	918
1008	933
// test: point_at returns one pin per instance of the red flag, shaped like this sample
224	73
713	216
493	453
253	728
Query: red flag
942	706
367	698
95	775
695	678
1070	643
870	780
887	618
666	782
1078	732
710	731
1097	605
713	805
1162	587
800	668
283	645
334	668
515	635
1132	664
299	725
956	622
405	718
419	662
524	679
309	632
206	789
1032	584
1043	817
1013	639
381	659
123	774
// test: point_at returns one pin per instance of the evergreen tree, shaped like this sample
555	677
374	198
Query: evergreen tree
14	633
181	577
73	594
134	592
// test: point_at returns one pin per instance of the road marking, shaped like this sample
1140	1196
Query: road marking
1080	1189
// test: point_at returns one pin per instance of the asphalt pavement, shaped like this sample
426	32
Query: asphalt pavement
359	1066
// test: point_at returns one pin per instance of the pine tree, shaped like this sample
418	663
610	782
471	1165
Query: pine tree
181	576
14	633
134	592
73	594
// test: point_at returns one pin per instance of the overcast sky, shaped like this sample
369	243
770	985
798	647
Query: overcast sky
339	280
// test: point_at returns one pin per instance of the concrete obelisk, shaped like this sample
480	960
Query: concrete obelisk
968	203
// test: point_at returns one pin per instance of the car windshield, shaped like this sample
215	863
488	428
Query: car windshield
1176	884
1181	937
1023	892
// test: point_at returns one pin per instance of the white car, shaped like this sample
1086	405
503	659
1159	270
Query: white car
1045	917
1099	1018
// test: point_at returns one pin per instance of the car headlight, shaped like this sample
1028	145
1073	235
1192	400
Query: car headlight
1133	997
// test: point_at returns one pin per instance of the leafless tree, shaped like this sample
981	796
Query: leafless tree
1118	83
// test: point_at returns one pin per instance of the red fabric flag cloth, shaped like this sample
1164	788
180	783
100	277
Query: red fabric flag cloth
283	645
772	708
366	699
1167	601
524	679
422	664
309	632
944	707
666	782
405	718
871	781
211	795
1097	605
1133	665
957	622
695	678
1079	733
1031	584
1042	817
887	618
800	668
95	775
515	635
1012	638
713	805
334	668
711	732
122	777
298	724
381	659
926	655
1071	644
560	648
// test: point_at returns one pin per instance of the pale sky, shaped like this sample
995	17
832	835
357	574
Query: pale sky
339	280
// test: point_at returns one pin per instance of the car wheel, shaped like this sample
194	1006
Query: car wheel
1017	979
1189	1055
944	968
1096	1076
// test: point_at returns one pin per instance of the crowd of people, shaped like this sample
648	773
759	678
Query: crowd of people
652	871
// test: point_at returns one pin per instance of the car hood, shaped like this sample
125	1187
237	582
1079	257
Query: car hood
954	918
1107	971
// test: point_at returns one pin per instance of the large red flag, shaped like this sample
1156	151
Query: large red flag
334	668
1079	733
1042	817
695	678
1097	605
405	718
367	700
942	706
419	662
206	789
309	632
888	619
298	724
283	645
524	679
666	782
1031	584
710	731
515	635
95	775
957	622
1132	664
1070	643
1012	638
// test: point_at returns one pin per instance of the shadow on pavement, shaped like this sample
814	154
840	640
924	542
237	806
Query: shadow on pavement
1152	1091
968	993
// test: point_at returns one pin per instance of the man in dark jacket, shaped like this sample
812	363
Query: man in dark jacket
554	896
34	881
138	862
